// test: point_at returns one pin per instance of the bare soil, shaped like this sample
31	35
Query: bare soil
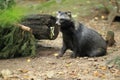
45	66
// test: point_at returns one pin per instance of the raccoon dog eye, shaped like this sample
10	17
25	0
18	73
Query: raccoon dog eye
58	12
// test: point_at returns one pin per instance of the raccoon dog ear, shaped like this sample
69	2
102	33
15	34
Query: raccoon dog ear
69	13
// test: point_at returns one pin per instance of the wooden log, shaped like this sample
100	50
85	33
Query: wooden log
43	26
25	28
110	38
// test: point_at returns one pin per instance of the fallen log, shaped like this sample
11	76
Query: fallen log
42	26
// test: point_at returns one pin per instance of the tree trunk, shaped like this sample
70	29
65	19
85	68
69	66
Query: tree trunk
43	26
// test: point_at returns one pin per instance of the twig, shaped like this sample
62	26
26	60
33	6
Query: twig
26	28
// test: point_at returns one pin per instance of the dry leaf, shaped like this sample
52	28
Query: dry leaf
103	67
56	54
96	73
116	73
73	74
68	65
103	76
85	71
23	70
28	60
60	73
26	77
102	17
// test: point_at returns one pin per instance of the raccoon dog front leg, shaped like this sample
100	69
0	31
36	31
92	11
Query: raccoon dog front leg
62	51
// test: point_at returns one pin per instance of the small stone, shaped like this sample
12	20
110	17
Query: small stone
80	58
91	59
85	57
96	18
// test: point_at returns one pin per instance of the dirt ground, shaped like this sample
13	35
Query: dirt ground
45	66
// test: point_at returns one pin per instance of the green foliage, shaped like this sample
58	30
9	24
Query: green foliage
15	42
4	4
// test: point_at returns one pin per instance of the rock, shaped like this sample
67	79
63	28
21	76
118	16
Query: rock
6	73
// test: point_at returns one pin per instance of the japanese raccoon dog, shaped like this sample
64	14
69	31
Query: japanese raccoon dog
78	38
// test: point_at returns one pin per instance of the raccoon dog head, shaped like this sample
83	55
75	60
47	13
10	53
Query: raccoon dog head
63	17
